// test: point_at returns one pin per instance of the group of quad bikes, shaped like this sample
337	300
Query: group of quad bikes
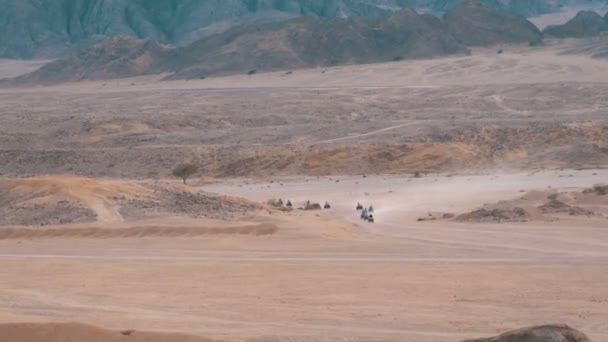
367	214
308	204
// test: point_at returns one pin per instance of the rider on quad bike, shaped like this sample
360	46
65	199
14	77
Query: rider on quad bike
364	214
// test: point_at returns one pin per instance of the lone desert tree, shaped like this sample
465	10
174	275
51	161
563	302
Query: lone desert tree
185	171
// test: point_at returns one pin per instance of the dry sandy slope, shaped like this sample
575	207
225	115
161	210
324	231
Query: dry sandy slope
69	199
98	197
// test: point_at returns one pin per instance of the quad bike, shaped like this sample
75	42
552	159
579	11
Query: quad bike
370	219
364	215
327	206
359	207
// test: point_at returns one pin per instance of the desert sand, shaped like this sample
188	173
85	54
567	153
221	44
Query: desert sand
12	68
94	231
326	275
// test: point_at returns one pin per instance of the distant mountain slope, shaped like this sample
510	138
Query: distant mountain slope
118	57
584	24
474	24
55	28
311	41
301	42
50	28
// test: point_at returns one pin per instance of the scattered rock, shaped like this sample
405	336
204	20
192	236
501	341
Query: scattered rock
558	207
598	189
545	333
496	215
424	219
127	332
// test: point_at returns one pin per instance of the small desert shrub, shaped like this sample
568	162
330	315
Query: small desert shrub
185	171
598	189
417	174
252	72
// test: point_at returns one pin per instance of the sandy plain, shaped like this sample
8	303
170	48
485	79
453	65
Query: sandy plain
326	276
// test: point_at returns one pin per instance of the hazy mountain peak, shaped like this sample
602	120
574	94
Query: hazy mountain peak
473	23
584	24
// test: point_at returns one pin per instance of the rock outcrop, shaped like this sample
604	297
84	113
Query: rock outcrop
545	333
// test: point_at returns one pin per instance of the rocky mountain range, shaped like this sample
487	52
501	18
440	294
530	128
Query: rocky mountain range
308	41
584	24
54	28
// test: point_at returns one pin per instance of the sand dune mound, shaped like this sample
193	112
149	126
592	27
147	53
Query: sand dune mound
72	332
541	205
545	333
65	199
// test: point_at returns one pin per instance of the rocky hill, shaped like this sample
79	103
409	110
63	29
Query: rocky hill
585	24
474	24
55	28
120	56
301	42
310	41
546	333
51	28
